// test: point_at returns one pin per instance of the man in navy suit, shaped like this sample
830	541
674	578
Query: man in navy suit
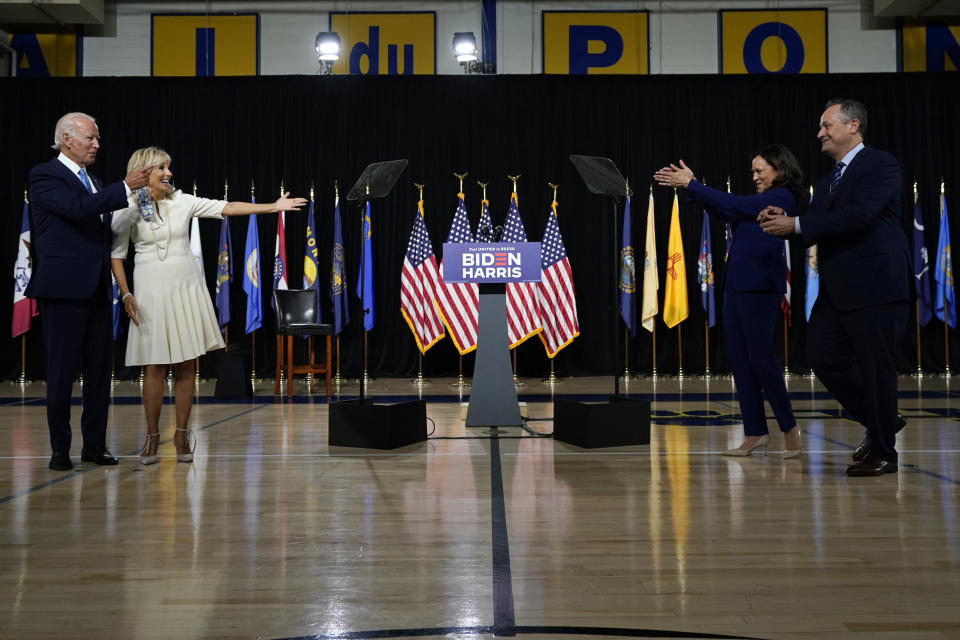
865	281
70	213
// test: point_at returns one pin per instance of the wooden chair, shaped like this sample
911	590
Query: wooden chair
296	311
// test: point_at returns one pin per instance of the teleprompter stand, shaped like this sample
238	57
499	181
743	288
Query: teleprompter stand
360	422
621	421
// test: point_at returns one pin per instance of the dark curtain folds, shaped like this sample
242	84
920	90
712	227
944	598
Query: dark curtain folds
312	131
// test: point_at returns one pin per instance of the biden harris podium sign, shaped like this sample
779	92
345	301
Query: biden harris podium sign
491	262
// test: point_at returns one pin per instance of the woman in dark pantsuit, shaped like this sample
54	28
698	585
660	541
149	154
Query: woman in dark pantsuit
754	285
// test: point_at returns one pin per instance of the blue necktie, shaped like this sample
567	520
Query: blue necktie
837	172
85	181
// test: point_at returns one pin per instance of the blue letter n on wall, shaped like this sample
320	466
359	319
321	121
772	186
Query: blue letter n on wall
205	40
941	45
580	57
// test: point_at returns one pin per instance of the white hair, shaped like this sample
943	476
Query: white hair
68	124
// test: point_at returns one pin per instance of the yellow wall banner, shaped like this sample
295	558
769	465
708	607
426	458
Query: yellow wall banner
930	45
792	41
386	43
44	55
596	42
198	44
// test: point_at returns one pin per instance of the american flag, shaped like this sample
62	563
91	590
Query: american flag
785	303
523	313
279	256
558	302
485	230
458	302
418	286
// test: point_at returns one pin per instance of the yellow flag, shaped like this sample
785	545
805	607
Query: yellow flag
649	307
675	308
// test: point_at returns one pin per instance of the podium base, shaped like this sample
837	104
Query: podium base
622	421
360	423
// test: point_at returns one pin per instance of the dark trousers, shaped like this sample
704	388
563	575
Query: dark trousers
78	334
854	355
749	320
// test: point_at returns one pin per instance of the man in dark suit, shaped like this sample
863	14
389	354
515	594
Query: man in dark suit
70	213
865	281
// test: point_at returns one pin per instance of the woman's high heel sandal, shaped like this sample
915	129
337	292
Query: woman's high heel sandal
188	455
792	453
145	456
741	452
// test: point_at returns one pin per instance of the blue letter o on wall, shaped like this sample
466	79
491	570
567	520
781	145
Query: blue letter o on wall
759	34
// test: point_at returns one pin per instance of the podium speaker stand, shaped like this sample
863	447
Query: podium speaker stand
622	421
360	422
493	397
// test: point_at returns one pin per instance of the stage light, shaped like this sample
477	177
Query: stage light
327	46
465	46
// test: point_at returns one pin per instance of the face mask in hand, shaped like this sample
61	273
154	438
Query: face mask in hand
145	204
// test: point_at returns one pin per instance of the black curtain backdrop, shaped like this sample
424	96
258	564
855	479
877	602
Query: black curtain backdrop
312	131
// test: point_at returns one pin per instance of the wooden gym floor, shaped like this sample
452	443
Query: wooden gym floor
475	533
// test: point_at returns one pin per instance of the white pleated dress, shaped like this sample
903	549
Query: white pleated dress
177	320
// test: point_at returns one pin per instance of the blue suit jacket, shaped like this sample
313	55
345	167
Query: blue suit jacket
71	245
861	244
757	260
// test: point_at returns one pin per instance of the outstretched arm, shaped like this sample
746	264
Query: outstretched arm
284	203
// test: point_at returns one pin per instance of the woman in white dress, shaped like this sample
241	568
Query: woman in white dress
172	317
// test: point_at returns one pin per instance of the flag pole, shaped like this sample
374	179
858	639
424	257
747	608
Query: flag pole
459	383
419	381
23	361
22	380
626	329
653	344
226	329
366	380
253	334
552	380
706	320
337	378
946	325
653	333
626	352
706	336
310	339
680	375
946	348
516	380
919	373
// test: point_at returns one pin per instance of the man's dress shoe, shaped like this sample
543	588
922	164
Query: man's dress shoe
871	467
98	456
60	461
863	449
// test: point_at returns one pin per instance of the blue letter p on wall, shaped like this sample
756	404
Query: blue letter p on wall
581	60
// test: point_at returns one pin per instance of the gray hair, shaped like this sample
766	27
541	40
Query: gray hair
851	110
68	124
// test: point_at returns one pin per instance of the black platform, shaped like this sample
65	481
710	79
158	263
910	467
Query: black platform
233	378
622	421
361	423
